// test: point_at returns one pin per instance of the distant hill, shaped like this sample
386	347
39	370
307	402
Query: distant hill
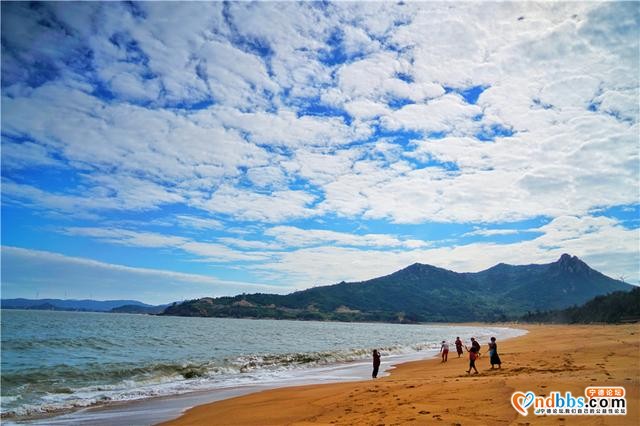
69	305
616	307
422	293
138	309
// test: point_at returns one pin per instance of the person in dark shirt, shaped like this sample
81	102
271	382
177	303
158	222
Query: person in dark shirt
493	353
475	344
459	346
376	363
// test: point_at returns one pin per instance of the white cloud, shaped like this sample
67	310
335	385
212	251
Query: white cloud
287	129
443	114
246	205
364	109
620	103
247	244
266	176
202	250
27	154
571	92
112	193
127	237
198	222
376	78
297	237
321	167
357	41
491	232
234	76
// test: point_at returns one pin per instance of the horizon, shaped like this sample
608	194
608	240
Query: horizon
161	152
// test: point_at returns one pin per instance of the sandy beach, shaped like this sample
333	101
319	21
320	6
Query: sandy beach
549	358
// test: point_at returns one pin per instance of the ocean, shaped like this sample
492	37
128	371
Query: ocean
54	363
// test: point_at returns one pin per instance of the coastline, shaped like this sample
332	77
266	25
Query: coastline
334	367
548	358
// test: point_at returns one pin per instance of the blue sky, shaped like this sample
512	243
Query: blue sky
166	151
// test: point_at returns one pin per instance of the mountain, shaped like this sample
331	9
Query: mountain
567	282
68	305
616	307
421	293
139	309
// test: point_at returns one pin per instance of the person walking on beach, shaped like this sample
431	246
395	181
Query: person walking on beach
493	353
473	355
376	363
444	349
459	346
475	344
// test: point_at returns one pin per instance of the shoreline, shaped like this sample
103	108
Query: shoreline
159	408
548	358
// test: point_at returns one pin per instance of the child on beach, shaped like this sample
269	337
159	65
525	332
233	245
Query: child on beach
445	351
493	353
376	363
459	346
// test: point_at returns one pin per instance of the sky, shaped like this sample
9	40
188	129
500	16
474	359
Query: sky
164	151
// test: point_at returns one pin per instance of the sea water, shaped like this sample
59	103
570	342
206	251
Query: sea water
55	362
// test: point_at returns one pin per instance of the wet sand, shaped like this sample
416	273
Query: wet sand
549	358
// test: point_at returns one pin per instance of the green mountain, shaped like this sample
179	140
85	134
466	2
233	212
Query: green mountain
616	307
139	309
421	293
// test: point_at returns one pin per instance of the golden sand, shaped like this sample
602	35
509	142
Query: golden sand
549	358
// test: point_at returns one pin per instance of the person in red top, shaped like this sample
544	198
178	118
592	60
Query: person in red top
473	355
376	363
459	346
